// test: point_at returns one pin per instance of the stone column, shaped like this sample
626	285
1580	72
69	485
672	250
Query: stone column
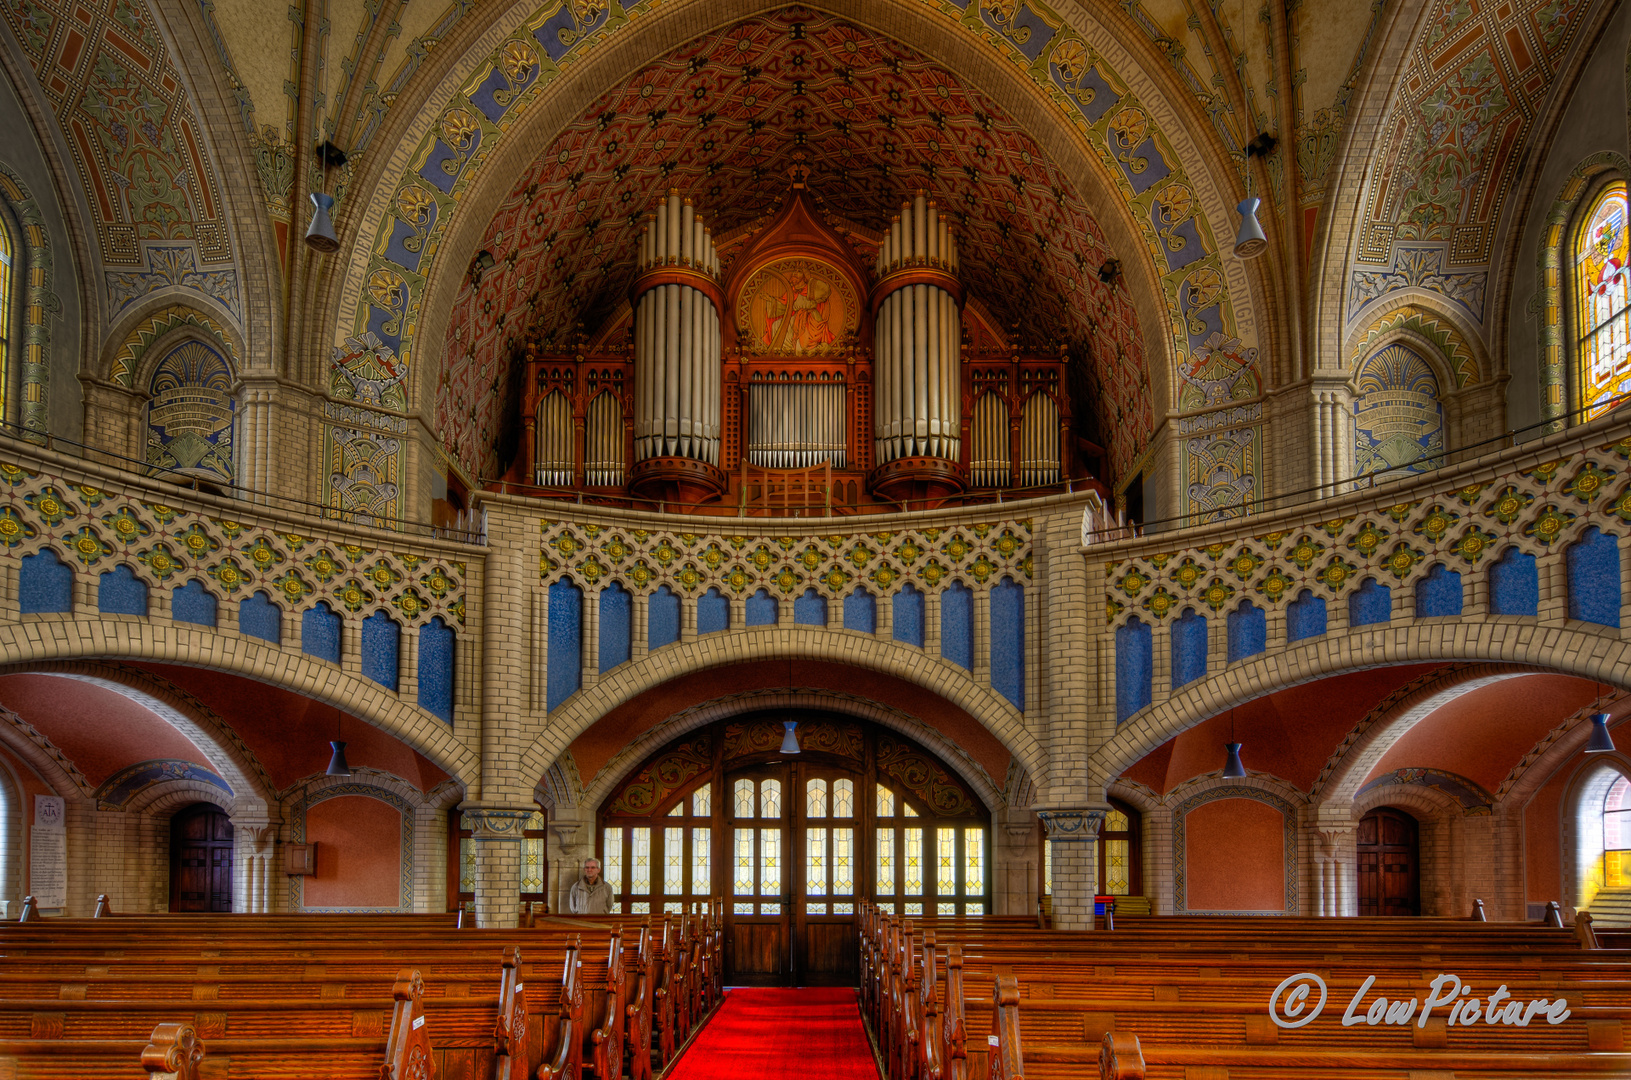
572	844
254	851
497	836
1074	836
1015	874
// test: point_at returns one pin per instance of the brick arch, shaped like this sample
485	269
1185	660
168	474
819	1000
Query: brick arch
227	754
715	652
91	638
1567	649
1387	723
707	712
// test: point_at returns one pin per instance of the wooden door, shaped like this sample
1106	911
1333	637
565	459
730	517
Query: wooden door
758	915
201	859
828	836
1389	863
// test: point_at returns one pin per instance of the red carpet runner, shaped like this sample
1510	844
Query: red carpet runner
781	1034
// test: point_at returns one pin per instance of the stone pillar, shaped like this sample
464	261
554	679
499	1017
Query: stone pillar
1015	878
254	853
1074	836
497	836
572	843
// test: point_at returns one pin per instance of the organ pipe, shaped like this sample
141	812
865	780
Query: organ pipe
918	338
1039	441
603	443
988	456
796	424
553	459
677	338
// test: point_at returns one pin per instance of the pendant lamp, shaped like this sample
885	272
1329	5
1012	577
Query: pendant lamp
1233	769
1601	742
320	235
790	740
337	764
1250	242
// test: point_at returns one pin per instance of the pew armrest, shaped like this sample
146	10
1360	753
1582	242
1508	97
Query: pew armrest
173	1053
1120	1057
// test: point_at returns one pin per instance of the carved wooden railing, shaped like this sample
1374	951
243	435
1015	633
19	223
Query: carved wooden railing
563	1058
1007	1057
510	1036
408	1053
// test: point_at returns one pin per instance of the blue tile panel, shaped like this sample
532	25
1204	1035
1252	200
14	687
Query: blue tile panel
119	592
1514	584
381	649
320	632
436	646
616	626
1188	648
662	618
1008	641
1134	667
906	611
44	584
193	603
564	654
1594	578
861	612
957	625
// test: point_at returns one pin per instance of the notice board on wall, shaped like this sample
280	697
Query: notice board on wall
48	853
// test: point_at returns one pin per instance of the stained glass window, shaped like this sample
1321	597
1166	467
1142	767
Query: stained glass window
973	861
1602	302
770	799
815	867
946	863
770	861
679	809
467	865
744	867
914	862
640	861
886	860
7	264
815	799
700	801
701	874
611	864
843	798
886	802
1617	835
532	864
1115	867
843	862
907	810
743	794
674	860
1115	821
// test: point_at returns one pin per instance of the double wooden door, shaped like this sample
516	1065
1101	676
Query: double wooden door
794	842
201	859
1389	863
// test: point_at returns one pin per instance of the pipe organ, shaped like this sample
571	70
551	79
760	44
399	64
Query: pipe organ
918	337
677	337
794	423
800	343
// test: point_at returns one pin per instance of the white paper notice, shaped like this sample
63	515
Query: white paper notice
48	853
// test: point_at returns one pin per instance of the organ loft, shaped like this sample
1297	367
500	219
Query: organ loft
754	540
804	343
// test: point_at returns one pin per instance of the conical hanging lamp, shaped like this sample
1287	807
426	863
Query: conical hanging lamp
337	764
790	739
1601	742
1233	769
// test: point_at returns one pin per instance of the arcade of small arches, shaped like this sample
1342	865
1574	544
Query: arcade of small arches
882	378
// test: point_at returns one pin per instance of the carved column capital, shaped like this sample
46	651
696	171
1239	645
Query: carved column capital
1073	826
489	823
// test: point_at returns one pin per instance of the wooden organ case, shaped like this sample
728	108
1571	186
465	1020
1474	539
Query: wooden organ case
777	361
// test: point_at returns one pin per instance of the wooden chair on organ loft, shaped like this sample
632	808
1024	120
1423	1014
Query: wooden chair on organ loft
785	492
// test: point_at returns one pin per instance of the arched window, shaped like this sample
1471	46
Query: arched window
8	280
1602	302
1617	836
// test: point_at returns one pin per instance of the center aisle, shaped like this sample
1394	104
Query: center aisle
781	1034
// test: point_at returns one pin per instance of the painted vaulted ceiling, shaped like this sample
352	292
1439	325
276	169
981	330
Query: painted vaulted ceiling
724	119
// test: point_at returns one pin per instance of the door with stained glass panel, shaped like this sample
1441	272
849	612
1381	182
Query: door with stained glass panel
826	832
758	914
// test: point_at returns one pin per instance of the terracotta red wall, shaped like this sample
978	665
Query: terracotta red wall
1543	840
359	854
1234	857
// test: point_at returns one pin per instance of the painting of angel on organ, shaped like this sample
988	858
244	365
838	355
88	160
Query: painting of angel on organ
797	316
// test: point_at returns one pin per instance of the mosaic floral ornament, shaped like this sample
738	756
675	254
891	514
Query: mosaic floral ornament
16	475
1474	544
1544	474
761	558
1217	594
664	553
231	529
884	576
1006	543
229	574
788	580
592	569
1403	560
1336	573
1272	540
88	546
1244	565
689	577
983	568
13	529
1112	608
198	542
1334	527
1160	561
1132	583
293	587
616	550
324	565
1186	574
956	549
1620	507
1547	527
1509	504
1437	522
641	574
909	552
738	580
437	583
48	503
836	579
1588	483
811	558
713	556
263	555
1367	539
1399	511
1160	602
1275	585
127	528
1469	494
932	573
410	603
161	561
354	596
566	544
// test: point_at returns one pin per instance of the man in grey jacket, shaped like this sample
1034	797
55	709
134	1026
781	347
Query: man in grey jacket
590	894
